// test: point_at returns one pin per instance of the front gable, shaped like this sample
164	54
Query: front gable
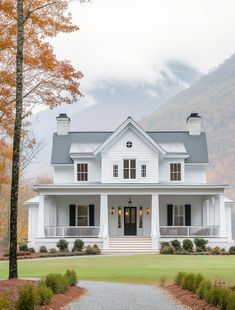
130	124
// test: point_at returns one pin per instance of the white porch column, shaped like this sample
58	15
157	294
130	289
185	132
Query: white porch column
104	219
155	223
222	220
41	211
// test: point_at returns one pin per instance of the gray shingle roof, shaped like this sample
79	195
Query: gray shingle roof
196	146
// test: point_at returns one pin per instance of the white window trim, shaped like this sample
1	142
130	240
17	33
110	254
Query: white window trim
146	173
76	214
115	177
173	215
181	171
76	169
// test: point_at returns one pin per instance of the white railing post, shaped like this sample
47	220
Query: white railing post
188	231
155	225
104	220
222	221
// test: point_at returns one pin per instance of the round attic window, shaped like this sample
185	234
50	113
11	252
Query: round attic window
129	144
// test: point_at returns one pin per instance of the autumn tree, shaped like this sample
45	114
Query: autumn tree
31	75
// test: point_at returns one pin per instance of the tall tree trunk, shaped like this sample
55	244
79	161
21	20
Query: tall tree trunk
13	272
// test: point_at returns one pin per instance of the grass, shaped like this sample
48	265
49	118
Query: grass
146	269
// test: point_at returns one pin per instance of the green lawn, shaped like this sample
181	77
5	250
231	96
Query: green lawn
131	269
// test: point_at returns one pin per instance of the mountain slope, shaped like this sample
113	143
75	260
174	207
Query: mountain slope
213	97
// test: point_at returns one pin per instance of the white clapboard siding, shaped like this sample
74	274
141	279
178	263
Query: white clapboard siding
195	174
64	174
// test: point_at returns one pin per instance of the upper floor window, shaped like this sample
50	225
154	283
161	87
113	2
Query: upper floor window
129	168
82	172
129	144
143	171
115	171
175	172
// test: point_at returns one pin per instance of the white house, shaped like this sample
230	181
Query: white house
129	190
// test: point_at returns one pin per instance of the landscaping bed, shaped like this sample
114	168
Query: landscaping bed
51	293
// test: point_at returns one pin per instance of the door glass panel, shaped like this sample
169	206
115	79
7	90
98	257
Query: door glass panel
127	216
132	215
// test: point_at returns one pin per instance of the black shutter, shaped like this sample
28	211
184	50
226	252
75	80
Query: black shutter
91	215
72	215
169	215
188	215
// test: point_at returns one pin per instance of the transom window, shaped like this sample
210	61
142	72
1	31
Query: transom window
178	215
175	172
82	216
82	172
129	168
129	144
115	171
143	171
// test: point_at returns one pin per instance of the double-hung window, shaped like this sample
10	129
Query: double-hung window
82	216
175	172
178	215
129	168
115	171
143	171
82	172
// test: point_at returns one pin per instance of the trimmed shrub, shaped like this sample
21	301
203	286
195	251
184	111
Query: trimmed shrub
232	250
204	286
5	302
164	243
231	301
72	277
53	250
216	250
188	282
43	249
166	250
187	245
96	249
62	244
45	294
179	277
23	247
31	250
57	283
176	244
28	298
200	244
92	250
78	245
223	297
213	296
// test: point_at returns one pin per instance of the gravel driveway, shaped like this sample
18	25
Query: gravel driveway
116	296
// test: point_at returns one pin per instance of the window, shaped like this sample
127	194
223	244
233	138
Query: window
178	215
119	217
143	171
175	172
129	168
82	216
115	171
82	172
129	144
140	217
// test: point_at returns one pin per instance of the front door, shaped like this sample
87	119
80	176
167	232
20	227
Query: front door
129	221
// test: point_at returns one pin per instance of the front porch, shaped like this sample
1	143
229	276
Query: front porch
98	218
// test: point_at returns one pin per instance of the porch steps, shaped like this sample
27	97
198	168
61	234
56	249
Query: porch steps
129	245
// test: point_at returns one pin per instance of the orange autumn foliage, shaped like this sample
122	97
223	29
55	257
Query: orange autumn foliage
46	79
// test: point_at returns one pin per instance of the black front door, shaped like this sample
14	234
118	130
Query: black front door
129	221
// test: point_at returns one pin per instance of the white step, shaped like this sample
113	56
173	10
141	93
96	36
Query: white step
129	245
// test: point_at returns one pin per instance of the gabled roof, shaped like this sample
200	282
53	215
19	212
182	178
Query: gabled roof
196	146
130	123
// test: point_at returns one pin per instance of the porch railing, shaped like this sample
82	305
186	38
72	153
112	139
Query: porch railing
72	231
189	231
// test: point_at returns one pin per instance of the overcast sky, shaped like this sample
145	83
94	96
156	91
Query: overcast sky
131	40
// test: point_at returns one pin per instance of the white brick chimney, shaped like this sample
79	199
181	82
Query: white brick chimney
63	124
194	122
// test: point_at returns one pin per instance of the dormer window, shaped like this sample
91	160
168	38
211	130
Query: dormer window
115	171
175	172
82	172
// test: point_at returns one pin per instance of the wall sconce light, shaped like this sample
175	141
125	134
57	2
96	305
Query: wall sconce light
148	211
112	210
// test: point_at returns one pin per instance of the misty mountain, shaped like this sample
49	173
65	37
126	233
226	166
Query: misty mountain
109	104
